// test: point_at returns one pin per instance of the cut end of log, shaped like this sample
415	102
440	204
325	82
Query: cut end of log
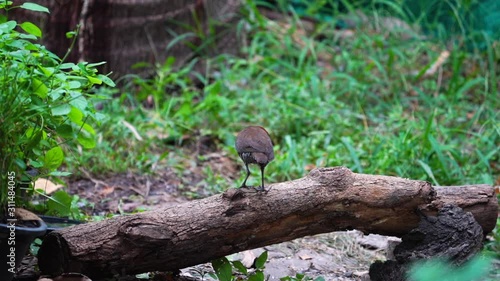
54	255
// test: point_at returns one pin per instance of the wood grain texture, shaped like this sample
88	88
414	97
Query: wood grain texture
174	237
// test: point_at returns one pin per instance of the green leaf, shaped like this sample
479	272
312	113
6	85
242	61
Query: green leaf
59	174
35	137
56	94
86	139
82	67
34	7
223	269
428	170
257	276
99	117
79	102
65	131
106	80
261	260
27	45
40	89
320	278
47	71
36	164
4	4
96	64
240	267
76	115
3	18
74	85
347	141
63	109
20	163
67	65
88	128
7	26
212	275
70	34
31	29
94	80
60	204
53	158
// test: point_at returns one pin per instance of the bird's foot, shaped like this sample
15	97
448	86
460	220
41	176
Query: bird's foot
261	189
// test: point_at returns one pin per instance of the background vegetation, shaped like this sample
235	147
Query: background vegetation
373	108
383	99
417	101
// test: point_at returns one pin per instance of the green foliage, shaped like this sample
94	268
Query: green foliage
373	109
223	269
226	270
45	102
430	270
65	205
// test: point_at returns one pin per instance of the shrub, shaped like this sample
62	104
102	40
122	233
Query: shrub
44	102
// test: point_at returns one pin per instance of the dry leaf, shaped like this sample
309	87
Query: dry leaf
132	129
305	257
46	185
248	258
310	167
106	190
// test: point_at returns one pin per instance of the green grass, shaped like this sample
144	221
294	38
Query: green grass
371	108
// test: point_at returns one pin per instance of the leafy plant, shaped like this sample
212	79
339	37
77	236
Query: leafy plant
224	269
476	269
46	104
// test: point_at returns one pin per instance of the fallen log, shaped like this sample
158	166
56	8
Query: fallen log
174	237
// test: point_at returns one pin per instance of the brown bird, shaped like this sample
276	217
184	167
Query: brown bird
254	146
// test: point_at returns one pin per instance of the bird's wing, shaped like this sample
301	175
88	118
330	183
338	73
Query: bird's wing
258	146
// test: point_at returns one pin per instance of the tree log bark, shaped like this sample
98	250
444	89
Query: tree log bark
478	199
174	237
453	235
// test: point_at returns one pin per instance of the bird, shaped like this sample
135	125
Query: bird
254	146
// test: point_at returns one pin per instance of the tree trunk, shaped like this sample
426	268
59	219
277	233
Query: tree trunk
174	237
126	32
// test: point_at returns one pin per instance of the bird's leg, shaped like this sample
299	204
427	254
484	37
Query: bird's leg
262	176
262	188
248	174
